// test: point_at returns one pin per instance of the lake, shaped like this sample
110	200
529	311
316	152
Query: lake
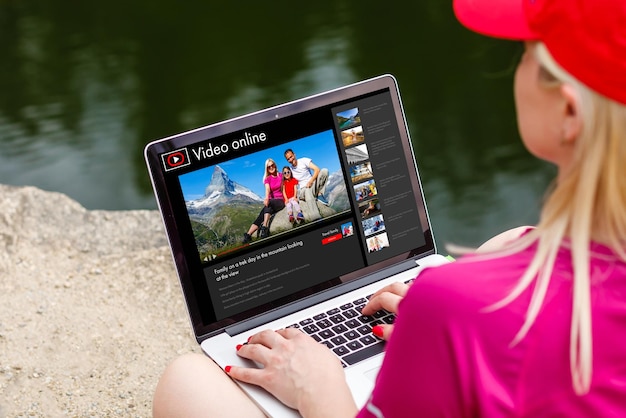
84	86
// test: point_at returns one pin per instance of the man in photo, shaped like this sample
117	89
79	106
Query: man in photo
311	178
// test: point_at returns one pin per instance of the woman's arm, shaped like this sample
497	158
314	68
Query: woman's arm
266	201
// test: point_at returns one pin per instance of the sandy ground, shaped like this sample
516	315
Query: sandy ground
90	308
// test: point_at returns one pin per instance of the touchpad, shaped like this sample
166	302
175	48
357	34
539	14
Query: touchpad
371	374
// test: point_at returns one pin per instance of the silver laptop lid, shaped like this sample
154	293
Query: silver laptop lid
209	185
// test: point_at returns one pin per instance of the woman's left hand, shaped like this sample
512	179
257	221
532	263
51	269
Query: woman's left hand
299	371
388	298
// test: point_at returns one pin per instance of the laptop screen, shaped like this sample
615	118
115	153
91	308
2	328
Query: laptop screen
275	206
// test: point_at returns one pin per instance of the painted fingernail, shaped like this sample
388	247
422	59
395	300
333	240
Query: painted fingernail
378	331
227	369
249	338
239	346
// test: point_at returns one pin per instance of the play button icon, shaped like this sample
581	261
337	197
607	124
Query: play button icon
175	159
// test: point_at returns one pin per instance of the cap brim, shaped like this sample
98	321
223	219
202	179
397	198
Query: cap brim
497	18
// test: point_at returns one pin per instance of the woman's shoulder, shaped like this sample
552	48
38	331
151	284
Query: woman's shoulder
476	280
498	241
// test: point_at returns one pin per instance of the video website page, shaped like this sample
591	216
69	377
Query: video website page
265	229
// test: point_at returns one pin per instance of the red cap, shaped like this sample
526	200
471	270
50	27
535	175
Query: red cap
586	37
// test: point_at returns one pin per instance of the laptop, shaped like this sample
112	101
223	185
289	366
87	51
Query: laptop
365	225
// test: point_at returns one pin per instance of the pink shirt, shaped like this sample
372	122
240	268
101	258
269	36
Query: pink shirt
275	183
450	358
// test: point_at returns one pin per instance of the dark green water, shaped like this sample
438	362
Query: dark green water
85	85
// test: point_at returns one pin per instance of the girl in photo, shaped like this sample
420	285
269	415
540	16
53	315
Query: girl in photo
290	192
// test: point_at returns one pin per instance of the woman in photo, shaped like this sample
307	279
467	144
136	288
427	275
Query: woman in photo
273	202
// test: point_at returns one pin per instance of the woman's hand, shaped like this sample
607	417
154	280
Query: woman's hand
387	298
300	372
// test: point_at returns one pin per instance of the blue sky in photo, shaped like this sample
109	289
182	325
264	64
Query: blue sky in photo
349	113
248	169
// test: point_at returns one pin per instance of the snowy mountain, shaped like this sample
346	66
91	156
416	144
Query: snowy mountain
220	191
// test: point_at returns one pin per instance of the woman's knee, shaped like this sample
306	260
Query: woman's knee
194	386
179	381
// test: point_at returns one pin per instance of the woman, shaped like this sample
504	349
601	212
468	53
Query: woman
272	203
535	326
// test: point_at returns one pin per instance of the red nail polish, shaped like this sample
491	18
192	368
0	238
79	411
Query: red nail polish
249	338
227	369
378	331
238	346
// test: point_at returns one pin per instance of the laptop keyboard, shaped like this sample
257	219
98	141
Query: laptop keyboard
346	331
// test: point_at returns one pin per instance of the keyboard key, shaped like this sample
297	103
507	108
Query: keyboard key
333	311
354	345
353	323
320	316
364	330
367	352
337	318
341	351
346	306
350	313
367	340
324	323
338	340
389	319
306	321
326	334
360	301
352	335
327	344
310	329
293	326
366	318
379	314
339	328
316	338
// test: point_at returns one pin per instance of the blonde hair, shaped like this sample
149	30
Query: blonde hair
587	204
268	162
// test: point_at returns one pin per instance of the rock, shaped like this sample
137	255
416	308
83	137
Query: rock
90	307
281	219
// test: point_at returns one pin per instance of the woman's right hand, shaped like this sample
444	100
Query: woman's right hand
387	298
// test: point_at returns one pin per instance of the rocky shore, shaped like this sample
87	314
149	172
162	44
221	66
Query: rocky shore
90	308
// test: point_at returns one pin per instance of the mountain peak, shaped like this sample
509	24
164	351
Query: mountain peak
221	190
220	182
